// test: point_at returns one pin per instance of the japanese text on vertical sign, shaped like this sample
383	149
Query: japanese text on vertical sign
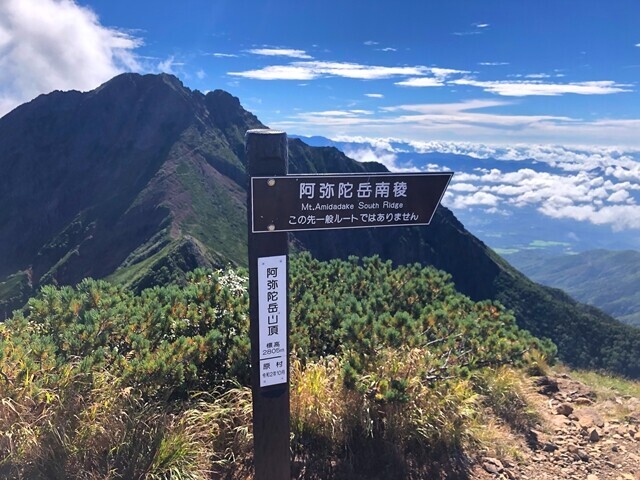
272	275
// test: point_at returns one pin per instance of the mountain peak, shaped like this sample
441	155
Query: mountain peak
228	111
137	82
223	98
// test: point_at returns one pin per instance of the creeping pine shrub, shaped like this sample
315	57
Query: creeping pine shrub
364	305
164	342
409	349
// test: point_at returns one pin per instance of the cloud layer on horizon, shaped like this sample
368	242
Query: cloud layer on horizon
596	185
476	121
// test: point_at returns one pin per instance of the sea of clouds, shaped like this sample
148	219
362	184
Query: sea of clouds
599	185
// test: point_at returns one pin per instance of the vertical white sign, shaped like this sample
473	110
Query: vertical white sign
272	305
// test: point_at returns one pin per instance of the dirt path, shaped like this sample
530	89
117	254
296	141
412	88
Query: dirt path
580	437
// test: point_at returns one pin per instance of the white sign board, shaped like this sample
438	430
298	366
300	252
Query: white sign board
272	304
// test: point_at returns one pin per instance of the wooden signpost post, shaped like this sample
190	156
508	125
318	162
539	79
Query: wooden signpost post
278	203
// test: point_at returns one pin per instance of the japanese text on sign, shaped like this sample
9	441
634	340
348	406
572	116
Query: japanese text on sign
272	305
316	202
339	190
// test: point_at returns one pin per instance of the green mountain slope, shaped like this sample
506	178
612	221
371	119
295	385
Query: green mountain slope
609	280
142	180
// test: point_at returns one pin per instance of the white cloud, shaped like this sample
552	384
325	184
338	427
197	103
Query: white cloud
478	30
463	187
476	121
449	107
56	44
612	161
224	55
527	88
446	72
201	74
311	70
279	72
388	49
167	65
388	159
619	196
479	122
426	120
493	64
370	43
584	196
365	72
340	113
280	52
619	217
377	143
538	75
464	113
374	95
361	112
581	196
438	79
475	199
318	69
421	82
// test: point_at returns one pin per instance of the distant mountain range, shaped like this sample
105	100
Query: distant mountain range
143	179
609	280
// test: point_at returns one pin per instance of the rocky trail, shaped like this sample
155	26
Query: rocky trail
580	436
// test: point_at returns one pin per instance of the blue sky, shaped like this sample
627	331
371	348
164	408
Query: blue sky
501	71
562	72
556	81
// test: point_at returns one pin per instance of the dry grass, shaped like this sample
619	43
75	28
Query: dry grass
607	386
223	425
394	423
503	392
94	428
495	439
